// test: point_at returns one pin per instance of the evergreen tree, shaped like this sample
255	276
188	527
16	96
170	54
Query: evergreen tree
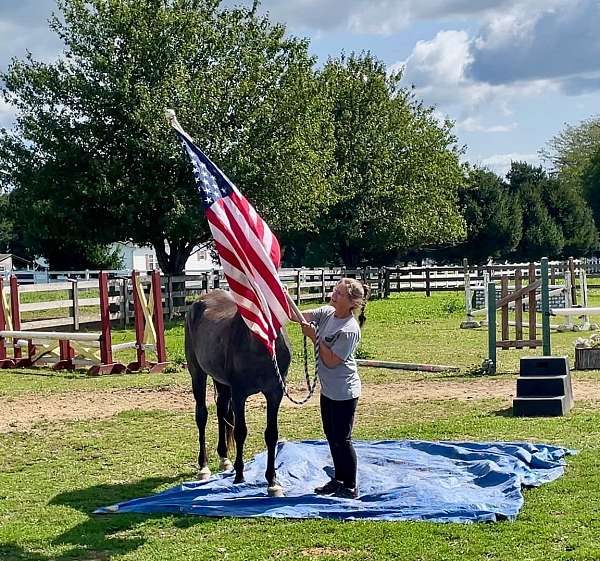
572	214
542	236
590	179
493	217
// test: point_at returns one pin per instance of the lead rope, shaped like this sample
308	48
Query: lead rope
311	385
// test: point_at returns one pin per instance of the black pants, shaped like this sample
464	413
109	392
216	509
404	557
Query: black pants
338	420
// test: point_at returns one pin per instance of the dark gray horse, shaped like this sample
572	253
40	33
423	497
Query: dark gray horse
218	343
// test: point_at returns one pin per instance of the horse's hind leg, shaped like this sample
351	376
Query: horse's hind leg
240	431
199	388
271	436
225	417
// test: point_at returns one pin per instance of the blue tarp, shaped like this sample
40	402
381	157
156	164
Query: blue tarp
398	480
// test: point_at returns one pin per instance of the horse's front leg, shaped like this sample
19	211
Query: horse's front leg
240	431
271	437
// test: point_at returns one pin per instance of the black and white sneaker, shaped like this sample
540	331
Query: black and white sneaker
330	488
344	492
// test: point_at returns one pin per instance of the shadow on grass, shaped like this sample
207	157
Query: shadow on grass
44	372
100	537
463	374
505	412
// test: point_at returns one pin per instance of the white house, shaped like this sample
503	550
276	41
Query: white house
10	262
138	258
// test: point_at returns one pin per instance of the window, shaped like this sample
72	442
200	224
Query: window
151	262
201	255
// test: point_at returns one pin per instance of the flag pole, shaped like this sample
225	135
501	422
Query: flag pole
294	308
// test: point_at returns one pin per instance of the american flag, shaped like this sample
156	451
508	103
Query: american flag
249	252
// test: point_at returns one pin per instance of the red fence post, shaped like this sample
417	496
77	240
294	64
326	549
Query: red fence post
66	353
105	339
159	324
106	366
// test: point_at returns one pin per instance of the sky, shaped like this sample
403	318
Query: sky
510	73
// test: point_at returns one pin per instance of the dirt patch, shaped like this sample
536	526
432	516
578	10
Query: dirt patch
23	412
325	552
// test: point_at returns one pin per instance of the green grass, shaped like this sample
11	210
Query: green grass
53	477
52	480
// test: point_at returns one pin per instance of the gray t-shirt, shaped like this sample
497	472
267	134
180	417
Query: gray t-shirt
342	337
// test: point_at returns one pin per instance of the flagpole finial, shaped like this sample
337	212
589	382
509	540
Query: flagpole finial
171	117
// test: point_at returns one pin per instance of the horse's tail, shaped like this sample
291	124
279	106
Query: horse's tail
228	420
229	438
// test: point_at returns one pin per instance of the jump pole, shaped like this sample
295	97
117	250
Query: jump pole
139	324
411	366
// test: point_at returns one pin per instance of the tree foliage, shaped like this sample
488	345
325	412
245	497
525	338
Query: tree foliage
572	148
571	212
6	226
93	158
575	154
493	217
557	221
590	181
397	171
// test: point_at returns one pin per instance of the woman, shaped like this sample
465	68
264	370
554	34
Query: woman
339	336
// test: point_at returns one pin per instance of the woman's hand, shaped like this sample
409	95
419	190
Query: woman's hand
309	331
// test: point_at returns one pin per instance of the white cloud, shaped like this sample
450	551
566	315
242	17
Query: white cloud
24	26
500	163
518	40
380	17
440	71
471	124
557	40
7	115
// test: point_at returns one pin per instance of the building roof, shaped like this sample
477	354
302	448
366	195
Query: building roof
5	256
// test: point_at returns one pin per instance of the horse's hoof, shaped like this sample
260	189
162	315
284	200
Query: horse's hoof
204	473
238	480
275	491
225	464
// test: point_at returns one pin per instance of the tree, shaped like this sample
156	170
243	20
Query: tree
542	236
571	149
575	155
6	227
557	221
573	215
493	216
590	180
95	159
397	171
